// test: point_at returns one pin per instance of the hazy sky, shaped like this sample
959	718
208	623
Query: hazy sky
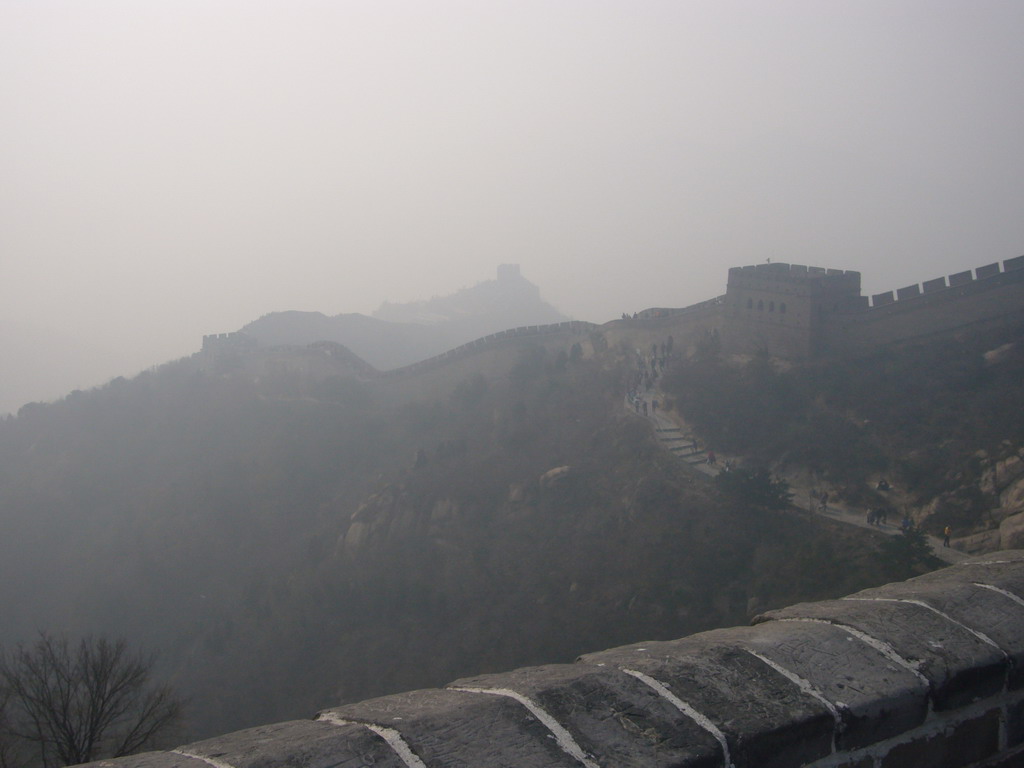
169	169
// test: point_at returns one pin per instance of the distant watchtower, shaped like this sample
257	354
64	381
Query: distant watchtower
786	309
508	272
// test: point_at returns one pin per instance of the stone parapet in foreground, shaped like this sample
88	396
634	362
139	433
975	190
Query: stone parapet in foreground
928	672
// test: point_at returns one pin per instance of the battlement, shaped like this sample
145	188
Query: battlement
959	280
847	280
928	672
798	312
227	342
788	310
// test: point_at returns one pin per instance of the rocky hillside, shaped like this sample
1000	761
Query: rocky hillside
292	539
938	425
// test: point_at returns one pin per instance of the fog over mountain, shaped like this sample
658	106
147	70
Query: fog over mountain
170	170
400	334
396	335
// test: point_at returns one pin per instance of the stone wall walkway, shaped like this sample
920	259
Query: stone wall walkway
677	437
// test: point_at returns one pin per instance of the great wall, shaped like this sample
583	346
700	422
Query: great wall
788	310
928	672
923	673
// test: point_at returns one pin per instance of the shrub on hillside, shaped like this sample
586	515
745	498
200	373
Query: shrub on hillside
755	487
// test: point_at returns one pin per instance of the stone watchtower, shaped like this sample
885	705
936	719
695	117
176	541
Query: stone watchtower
786	309
508	272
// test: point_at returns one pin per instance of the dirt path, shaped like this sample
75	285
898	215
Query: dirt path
677	438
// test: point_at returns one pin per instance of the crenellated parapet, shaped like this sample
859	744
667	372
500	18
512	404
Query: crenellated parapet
844	281
788	310
961	280
218	343
987	296
800	312
928	672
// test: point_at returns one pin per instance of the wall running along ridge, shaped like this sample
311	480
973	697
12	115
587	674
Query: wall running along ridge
795	311
789	310
923	673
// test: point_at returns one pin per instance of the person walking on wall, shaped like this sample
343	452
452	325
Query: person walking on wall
946	533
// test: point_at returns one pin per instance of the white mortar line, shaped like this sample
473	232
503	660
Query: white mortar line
1003	592
879	645
687	710
390	735
1019	601
208	760
988	562
562	736
980	635
807	687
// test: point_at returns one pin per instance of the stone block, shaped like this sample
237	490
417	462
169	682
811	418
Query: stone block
874	698
462	730
930	286
909	292
1013	760
611	715
996	569
989	270
151	760
880	299
1017	262
766	720
965	744
298	744
855	762
992	614
1015	724
961	278
959	666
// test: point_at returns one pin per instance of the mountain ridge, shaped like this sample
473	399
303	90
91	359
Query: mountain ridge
398	334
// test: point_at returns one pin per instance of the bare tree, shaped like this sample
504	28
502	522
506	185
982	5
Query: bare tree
7	759
86	701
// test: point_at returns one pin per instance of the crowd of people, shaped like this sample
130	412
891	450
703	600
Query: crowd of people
649	366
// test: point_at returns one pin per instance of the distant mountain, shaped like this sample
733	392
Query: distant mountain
40	363
400	334
487	307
